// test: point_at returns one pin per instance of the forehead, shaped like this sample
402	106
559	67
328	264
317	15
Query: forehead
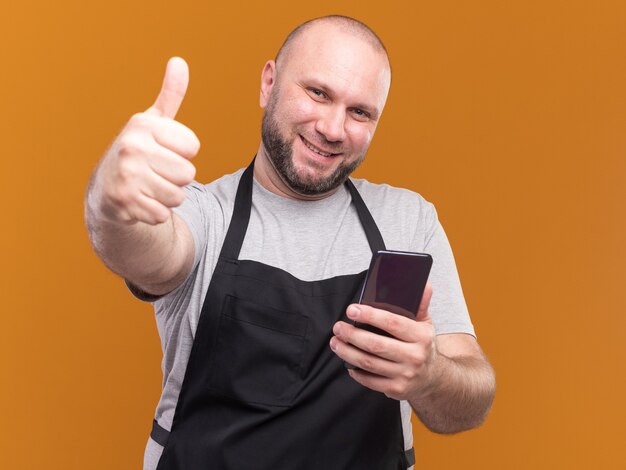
344	61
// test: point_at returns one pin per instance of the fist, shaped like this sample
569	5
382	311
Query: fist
142	175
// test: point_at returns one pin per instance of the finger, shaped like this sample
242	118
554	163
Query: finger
149	211
422	313
173	89
176	137
171	166
362	359
398	326
162	191
374	382
378	345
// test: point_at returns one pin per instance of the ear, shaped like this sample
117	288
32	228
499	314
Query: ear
268	78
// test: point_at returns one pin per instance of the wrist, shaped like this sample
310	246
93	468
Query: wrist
433	378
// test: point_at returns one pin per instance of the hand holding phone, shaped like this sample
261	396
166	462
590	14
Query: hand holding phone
395	282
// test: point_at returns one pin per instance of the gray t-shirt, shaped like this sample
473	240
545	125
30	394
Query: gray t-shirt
312	240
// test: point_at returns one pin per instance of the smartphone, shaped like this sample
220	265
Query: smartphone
395	282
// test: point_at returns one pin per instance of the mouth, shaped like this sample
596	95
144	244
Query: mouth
317	150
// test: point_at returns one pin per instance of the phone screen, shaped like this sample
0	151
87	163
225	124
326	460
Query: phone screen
395	282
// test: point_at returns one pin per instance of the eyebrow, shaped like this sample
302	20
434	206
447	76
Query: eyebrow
371	110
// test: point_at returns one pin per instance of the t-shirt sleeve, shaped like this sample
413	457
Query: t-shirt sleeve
192	213
447	307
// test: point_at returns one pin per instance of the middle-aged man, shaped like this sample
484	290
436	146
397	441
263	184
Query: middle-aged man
254	277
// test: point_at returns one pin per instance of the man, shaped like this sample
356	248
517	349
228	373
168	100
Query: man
255	276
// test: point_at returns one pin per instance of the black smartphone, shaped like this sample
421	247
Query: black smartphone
395	282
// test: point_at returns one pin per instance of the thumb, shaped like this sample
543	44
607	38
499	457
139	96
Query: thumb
422	313
173	90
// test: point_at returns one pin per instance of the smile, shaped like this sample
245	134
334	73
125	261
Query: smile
310	146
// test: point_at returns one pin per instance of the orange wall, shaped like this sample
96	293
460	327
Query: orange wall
509	116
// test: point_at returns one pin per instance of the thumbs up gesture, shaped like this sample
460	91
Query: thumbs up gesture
142	175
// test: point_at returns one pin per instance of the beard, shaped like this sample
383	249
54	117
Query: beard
280	153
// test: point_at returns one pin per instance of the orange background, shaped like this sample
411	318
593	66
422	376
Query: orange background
509	116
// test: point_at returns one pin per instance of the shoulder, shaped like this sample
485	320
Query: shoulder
210	199
224	187
399	200
405	218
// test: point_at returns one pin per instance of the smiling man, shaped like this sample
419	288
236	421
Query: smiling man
322	98
254	277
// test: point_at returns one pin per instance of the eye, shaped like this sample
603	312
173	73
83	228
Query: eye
317	93
360	114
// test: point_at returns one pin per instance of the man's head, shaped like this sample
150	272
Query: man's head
323	96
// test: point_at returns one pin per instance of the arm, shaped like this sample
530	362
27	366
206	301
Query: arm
462	389
446	379
136	184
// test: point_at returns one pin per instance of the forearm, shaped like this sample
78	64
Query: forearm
153	257
459	395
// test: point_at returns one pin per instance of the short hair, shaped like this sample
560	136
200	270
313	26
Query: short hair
346	23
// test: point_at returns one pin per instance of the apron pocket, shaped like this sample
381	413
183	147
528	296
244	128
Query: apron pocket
258	353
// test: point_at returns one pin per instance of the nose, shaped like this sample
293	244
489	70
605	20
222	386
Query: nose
331	124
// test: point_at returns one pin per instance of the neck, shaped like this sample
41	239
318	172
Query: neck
270	179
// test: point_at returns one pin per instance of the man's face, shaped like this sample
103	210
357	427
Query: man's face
322	107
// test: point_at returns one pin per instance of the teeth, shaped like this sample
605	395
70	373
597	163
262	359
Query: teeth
316	150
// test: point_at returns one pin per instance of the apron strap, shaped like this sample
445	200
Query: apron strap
241	216
409	457
243	206
374	238
158	434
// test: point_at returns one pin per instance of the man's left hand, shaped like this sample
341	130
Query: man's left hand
403	366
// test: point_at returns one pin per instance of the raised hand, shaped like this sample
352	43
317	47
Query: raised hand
142	175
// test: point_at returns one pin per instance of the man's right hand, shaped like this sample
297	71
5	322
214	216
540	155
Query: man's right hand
142	175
